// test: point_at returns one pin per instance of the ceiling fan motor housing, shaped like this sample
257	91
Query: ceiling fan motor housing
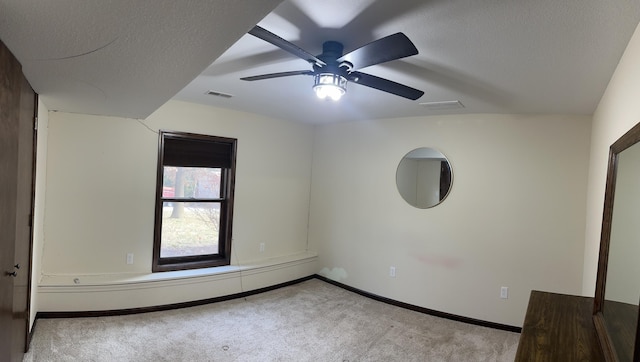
331	51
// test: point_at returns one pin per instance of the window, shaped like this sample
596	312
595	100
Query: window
194	201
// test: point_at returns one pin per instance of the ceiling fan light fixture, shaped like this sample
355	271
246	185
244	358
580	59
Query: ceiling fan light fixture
330	85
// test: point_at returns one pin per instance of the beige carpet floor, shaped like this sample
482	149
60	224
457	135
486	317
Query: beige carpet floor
309	321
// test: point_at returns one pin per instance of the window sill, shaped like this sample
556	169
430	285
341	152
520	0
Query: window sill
102	282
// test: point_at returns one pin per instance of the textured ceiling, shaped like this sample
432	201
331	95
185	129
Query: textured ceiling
494	56
121	58
126	58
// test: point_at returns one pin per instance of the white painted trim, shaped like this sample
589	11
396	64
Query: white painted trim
121	291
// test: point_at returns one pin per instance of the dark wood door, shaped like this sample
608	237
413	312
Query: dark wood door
17	110
24	217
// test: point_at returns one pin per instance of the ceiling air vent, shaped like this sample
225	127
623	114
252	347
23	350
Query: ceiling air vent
218	94
441	106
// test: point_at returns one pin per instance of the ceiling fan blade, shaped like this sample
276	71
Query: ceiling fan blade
389	48
385	85
278	75
270	37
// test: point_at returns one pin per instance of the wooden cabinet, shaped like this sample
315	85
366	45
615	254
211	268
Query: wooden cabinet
559	327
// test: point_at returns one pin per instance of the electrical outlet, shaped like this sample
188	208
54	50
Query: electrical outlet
392	271
504	292
129	258
262	247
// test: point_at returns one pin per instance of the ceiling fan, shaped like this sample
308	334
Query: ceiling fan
332	69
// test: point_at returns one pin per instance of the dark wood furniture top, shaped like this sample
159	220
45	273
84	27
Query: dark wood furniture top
559	327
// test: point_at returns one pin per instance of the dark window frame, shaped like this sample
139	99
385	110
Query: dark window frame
229	145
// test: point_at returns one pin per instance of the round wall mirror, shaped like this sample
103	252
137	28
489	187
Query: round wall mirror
424	177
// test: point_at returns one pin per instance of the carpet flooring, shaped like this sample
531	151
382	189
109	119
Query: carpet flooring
308	321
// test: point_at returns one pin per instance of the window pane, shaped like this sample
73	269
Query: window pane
189	228
191	182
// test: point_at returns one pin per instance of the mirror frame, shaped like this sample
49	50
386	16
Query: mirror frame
627	140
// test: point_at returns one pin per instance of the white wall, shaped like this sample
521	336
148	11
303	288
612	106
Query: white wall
618	111
39	206
514	217
101	175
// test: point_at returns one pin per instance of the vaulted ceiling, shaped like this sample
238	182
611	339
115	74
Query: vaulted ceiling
126	58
